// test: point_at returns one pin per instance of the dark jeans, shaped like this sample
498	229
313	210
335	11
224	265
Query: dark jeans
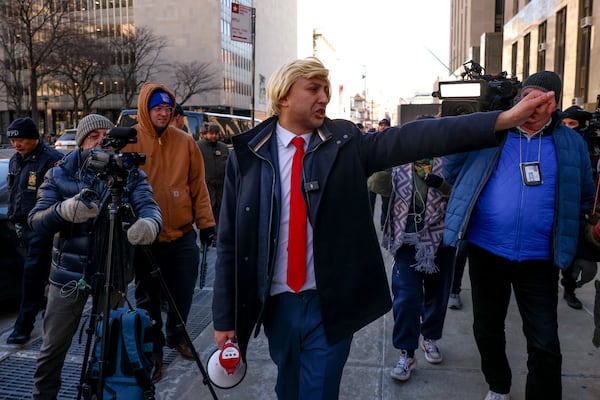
535	284
420	300
308	367
35	276
178	261
567	280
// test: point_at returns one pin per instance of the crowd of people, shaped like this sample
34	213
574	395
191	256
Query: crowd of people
290	211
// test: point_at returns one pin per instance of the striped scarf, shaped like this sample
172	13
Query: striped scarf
428	239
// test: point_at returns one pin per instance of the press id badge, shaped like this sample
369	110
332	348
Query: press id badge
531	173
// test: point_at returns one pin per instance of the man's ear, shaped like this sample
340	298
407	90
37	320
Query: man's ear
283	102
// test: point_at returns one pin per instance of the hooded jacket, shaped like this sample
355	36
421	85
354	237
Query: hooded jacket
175	170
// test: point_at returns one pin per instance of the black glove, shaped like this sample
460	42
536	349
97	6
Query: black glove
583	271
207	235
433	180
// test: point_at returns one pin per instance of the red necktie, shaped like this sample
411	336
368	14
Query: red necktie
296	273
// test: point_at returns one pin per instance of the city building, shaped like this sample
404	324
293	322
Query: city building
191	33
558	36
476	33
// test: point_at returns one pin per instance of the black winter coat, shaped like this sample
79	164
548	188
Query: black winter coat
350	274
26	174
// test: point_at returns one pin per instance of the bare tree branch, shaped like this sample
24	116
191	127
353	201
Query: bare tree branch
82	63
137	55
37	29
193	78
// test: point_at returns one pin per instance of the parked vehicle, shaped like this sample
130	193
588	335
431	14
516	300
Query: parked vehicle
66	141
230	124
11	255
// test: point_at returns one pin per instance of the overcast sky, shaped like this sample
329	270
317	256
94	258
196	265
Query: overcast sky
389	37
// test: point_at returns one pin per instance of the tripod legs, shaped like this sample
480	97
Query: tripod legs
155	273
203	265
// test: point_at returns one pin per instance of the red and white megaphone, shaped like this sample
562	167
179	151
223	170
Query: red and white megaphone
226	368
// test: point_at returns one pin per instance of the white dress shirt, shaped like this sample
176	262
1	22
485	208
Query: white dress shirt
285	153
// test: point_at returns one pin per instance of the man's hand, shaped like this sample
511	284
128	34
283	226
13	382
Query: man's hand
520	112
433	180
221	337
142	232
584	271
207	235
76	210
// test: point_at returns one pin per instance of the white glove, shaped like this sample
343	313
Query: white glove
75	210
142	232
584	271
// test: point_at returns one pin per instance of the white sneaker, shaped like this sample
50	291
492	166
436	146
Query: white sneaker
454	301
496	396
432	353
402	369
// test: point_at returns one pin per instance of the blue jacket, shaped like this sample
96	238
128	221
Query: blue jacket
350	274
469	172
79	250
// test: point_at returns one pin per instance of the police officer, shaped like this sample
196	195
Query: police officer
215	154
26	171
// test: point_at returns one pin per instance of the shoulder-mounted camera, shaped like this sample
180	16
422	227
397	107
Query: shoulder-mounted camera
477	91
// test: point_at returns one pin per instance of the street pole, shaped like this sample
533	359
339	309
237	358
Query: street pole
45	99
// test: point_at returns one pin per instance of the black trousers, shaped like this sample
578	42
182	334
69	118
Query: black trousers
535	284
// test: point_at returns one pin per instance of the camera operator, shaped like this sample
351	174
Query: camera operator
80	228
575	118
175	170
26	171
520	207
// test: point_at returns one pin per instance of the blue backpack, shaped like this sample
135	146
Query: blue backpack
129	356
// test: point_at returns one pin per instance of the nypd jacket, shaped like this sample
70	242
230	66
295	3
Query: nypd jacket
79	250
574	193
350	275
25	175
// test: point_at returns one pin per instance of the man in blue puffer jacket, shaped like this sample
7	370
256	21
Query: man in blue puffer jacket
80	243
521	208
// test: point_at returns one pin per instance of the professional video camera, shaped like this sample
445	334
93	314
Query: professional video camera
110	162
591	133
477	91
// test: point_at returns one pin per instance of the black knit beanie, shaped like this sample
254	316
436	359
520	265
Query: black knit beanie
23	128
546	81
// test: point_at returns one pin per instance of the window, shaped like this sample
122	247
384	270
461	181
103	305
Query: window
541	59
513	61
583	50
526	55
561	37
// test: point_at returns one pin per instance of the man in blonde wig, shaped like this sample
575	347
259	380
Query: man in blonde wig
297	250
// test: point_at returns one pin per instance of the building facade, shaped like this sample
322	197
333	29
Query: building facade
469	20
555	35
192	31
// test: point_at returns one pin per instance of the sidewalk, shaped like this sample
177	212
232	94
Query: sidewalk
366	375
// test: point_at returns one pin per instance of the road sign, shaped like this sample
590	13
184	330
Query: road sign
241	23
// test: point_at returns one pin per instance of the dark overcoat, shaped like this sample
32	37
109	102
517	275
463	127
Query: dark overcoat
350	273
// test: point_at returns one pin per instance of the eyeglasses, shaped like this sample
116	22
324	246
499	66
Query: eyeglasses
159	109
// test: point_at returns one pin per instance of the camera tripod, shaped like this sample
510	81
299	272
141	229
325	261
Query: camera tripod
120	217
